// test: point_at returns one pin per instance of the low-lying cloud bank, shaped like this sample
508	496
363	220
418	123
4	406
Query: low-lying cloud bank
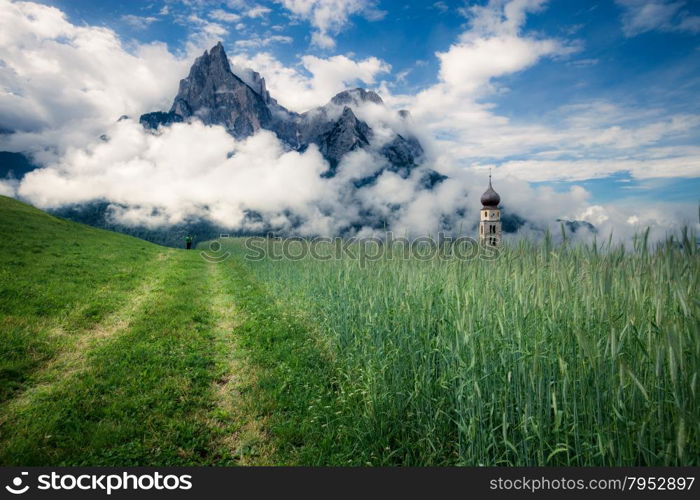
191	171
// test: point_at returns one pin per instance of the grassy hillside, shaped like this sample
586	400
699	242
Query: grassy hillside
57	275
114	351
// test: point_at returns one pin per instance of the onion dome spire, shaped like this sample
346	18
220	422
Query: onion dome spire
490	198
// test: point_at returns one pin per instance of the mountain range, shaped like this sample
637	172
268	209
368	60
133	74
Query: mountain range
238	100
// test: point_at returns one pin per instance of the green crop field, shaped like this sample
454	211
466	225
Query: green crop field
115	351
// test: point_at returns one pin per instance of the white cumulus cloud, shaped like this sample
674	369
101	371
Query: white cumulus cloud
321	80
61	84
329	17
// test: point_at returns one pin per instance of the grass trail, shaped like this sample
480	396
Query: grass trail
114	351
238	432
71	360
58	280
157	382
290	390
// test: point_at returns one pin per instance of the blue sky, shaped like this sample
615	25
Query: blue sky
407	35
591	104
410	32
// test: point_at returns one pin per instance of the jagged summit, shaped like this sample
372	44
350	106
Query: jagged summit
356	97
216	93
347	134
218	51
212	93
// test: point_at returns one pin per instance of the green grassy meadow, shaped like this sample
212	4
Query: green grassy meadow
114	351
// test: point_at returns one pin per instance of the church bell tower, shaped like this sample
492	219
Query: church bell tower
490	225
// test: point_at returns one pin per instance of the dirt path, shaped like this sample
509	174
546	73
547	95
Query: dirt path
238	432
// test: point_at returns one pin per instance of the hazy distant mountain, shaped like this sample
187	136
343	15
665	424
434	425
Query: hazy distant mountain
14	165
578	225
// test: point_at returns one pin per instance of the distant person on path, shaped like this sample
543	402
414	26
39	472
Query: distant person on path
188	242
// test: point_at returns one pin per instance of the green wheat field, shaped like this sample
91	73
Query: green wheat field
115	351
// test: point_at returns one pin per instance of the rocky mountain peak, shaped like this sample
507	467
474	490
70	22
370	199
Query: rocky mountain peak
356	97
212	93
348	116
217	93
217	57
347	134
